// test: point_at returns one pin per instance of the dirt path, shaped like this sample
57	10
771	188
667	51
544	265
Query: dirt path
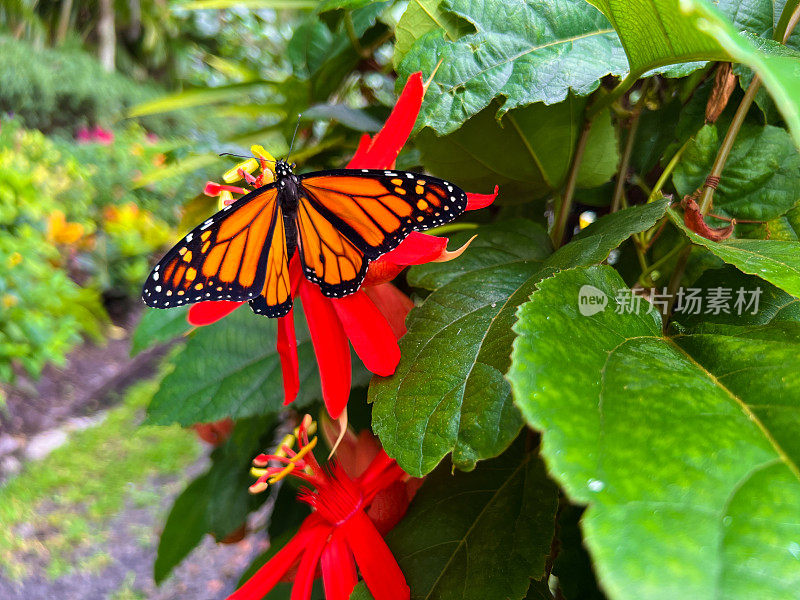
120	565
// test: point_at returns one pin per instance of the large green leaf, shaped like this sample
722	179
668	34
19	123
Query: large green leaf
448	393
684	449
478	535
655	33
777	261
158	327
421	17
774	305
524	53
528	153
761	179
184	528
232	369
779	70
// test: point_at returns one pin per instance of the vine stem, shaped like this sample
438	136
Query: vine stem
622	174
562	215
727	144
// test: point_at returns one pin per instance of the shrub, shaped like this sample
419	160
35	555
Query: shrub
57	91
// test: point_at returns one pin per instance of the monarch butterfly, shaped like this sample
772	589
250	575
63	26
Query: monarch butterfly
338	221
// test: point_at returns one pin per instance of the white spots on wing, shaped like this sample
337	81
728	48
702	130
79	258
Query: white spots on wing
227	207
365	170
410	175
155	274
207	224
189	237
158	289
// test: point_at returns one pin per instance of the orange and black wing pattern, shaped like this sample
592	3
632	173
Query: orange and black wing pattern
223	258
275	299
348	217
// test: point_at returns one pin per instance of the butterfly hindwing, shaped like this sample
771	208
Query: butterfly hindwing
347	217
275	299
328	257
223	258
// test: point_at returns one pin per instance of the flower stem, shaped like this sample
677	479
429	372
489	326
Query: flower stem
727	144
622	173
565	207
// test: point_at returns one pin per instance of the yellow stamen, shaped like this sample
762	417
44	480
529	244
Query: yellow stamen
248	166
256	472
258	150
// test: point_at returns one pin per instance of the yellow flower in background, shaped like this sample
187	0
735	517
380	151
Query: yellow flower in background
60	231
14	259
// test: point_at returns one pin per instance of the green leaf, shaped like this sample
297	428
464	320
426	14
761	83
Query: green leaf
184	528
230	501
774	305
255	4
231	369
361	592
684	449
522	54
351	117
421	17
495	540
448	393
497	244
196	97
760	180
159	327
527	154
779	71
218	501
777	261
655	33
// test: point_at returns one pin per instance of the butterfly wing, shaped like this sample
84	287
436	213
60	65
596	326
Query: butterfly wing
347	217
223	258
275	299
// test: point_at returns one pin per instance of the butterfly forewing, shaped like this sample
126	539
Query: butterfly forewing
346	218
224	258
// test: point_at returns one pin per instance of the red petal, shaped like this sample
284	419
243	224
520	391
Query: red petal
330	346
267	576
338	569
417	249
476	201
388	142
369	332
287	350
363	146
393	304
377	565
304	582
388	507
211	311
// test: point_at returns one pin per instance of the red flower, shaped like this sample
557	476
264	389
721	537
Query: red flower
338	536
373	318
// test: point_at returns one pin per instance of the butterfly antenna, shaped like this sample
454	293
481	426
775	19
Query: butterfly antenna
242	156
294	135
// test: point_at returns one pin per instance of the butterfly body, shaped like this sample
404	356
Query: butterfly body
337	221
